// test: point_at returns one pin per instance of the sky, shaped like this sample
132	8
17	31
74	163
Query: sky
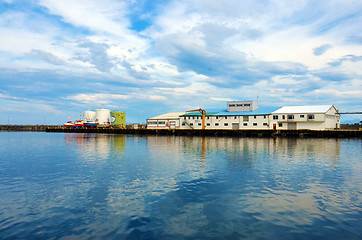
150	57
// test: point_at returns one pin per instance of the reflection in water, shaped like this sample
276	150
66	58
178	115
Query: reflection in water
166	187
99	145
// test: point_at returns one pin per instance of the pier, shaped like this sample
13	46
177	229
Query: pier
191	132
210	132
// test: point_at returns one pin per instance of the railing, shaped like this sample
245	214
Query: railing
188	124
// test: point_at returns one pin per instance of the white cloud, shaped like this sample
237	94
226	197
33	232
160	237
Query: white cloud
156	98
355	93
102	16
193	51
221	99
98	98
9	97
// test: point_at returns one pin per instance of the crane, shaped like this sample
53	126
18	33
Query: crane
203	112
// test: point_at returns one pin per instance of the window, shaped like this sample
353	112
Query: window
245	118
199	124
275	117
226	117
290	117
247	104
217	117
216	124
235	117
189	117
226	124
191	124
207	124
197	117
301	116
245	124
264	116
183	124
152	123
239	105
193	117
265	124
310	116
161	122
208	117
255	124
283	116
280	124
184	118
254	117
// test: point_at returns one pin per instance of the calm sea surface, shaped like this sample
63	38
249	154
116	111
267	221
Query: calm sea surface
99	186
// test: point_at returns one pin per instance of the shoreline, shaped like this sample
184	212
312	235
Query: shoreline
302	133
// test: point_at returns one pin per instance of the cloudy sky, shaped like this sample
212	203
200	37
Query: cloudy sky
149	57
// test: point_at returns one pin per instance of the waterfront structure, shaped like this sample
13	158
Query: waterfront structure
256	119
248	115
165	121
238	115
89	116
118	119
319	117
103	116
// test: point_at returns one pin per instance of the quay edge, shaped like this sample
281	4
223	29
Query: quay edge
210	132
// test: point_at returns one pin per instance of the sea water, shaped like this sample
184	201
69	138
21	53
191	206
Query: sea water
99	186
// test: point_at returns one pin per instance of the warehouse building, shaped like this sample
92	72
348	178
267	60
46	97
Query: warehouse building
257	119
248	115
165	121
238	115
321	117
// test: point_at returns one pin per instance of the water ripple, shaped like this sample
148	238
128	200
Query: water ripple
100	186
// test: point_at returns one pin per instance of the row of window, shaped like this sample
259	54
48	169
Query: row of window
245	118
155	123
239	105
291	117
225	124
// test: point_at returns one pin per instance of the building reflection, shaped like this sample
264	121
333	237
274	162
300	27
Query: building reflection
100	145
237	150
248	149
189	179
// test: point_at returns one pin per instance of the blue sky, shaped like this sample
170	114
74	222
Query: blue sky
60	58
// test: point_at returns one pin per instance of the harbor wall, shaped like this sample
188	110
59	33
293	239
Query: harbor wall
192	132
210	132
26	128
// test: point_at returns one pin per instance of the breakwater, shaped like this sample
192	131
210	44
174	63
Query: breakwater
191	132
26	128
211	132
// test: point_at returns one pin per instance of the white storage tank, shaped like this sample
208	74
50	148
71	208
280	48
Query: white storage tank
103	116
89	116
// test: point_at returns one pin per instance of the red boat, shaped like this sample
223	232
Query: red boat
79	123
69	124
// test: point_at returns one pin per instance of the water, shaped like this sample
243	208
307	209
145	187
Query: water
97	186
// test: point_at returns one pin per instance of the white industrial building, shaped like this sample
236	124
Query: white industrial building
247	115
165	121
322	117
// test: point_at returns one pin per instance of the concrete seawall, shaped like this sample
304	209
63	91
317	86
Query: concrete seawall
25	128
240	133
192	132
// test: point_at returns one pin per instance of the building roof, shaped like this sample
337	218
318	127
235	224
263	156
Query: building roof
173	115
304	109
224	112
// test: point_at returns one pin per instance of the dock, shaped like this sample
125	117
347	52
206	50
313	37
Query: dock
219	133
340	133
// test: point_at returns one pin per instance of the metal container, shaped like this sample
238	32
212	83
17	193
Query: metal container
89	116
103	116
118	119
